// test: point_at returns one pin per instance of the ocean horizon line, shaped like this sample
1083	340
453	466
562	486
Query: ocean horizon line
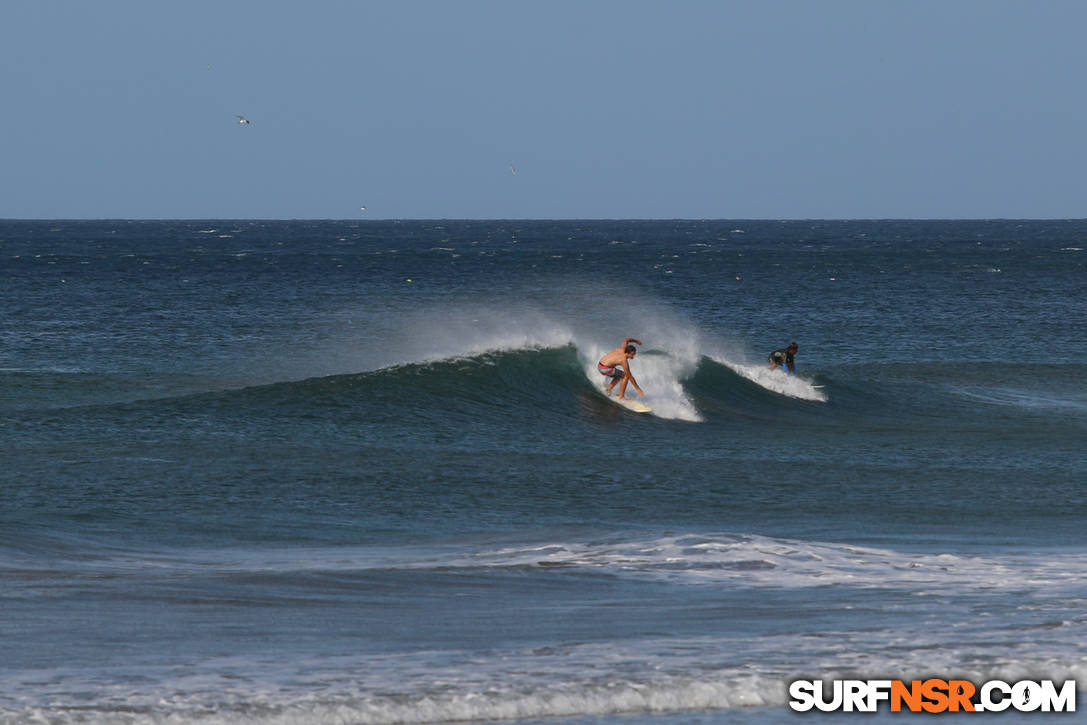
543	219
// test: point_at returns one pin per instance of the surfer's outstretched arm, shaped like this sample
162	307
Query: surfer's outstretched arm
628	377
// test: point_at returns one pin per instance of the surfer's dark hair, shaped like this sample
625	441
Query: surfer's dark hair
630	348
793	344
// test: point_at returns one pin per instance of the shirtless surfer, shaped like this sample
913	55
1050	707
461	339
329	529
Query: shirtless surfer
616	365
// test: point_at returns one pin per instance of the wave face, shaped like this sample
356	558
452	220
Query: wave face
554	383
293	472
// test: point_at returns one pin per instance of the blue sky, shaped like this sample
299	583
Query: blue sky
606	109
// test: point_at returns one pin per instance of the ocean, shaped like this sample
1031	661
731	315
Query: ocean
283	472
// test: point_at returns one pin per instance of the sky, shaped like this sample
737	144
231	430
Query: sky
564	109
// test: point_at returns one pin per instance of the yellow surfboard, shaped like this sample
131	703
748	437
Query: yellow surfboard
630	404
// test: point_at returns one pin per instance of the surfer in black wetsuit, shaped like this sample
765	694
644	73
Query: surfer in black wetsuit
784	358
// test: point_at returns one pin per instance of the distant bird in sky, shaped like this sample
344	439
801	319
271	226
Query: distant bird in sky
513	169
362	208
243	119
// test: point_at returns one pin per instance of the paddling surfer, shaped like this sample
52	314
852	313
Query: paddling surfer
616	365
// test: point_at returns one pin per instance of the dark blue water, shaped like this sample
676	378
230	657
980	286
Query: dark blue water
365	472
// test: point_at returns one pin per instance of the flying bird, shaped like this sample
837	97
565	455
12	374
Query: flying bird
513	170
243	119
